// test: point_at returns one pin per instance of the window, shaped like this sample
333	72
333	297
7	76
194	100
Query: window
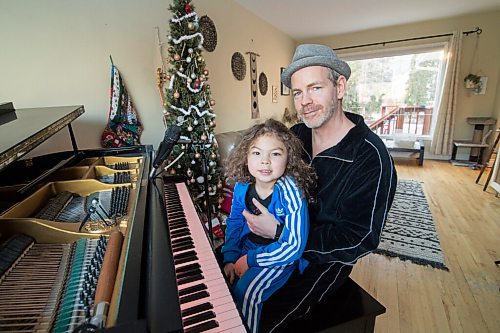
398	90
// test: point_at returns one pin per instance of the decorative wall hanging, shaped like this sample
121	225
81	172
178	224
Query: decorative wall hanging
209	32
263	84
274	92
238	66
285	91
253	85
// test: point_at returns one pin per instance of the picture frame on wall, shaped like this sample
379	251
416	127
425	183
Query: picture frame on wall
285	91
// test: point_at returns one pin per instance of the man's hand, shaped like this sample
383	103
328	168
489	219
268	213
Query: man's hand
229	271
241	266
264	224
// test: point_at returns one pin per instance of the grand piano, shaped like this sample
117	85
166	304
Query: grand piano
88	242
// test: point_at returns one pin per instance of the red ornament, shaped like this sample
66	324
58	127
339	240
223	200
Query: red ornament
188	9
196	84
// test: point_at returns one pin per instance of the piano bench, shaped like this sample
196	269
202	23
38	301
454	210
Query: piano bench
349	309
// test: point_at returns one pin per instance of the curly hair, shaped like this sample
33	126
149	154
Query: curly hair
237	163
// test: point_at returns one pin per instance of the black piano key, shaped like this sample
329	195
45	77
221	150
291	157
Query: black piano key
199	318
183	242
194	296
191	253
189	273
208	325
197	309
180	234
188	279
185	260
192	289
182	248
187	268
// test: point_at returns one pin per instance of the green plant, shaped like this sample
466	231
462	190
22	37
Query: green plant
472	78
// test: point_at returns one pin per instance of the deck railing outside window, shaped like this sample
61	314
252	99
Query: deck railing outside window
395	119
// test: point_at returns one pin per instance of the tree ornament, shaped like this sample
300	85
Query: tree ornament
219	186
188	60
213	156
177	95
190	25
193	76
189	80
193	181
201	103
203	137
200	180
168	77
195	122
212	102
172	171
197	155
211	163
181	69
179	166
189	172
211	123
193	162
190	50
170	49
177	57
188	9
190	129
196	84
205	72
199	59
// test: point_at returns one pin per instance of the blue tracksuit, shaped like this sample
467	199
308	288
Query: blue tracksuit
270	265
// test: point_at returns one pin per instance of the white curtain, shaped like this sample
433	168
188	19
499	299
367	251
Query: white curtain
443	132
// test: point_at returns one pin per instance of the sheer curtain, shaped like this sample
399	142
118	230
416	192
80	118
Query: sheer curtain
443	132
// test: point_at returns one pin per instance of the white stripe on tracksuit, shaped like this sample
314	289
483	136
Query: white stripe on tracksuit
293	224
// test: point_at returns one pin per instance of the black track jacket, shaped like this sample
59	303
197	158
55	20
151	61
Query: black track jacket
356	185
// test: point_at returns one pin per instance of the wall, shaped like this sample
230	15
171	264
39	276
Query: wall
56	52
487	58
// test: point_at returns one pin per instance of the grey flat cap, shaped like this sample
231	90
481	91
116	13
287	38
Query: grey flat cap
314	55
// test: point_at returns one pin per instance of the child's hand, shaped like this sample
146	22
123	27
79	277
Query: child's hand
229	271
241	266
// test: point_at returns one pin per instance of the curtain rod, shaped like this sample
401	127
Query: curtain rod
477	30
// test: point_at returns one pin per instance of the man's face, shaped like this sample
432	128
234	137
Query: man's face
314	95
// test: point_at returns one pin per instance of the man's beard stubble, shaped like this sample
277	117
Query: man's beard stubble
323	118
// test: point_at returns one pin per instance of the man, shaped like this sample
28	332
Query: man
355	186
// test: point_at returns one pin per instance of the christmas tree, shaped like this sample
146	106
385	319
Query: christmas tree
188	104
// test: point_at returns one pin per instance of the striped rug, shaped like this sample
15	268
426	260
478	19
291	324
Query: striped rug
409	232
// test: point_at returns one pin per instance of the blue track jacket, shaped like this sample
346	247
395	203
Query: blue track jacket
289	208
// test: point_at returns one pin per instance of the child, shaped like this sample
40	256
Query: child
268	168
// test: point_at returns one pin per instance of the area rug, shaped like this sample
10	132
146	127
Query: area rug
409	232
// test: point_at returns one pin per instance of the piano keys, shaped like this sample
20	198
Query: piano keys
205	300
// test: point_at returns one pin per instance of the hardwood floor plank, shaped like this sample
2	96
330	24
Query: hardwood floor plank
423	299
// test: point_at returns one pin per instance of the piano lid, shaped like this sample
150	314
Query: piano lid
32	127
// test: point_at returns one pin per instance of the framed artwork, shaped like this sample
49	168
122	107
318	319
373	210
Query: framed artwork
285	91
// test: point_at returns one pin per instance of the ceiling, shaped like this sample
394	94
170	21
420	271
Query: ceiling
302	19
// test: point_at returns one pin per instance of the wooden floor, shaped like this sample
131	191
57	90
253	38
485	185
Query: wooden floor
423	299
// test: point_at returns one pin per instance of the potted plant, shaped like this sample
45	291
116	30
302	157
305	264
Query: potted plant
472	81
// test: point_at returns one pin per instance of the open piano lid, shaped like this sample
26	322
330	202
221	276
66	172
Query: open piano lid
32	127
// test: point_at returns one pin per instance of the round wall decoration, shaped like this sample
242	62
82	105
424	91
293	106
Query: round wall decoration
263	84
238	66
207	29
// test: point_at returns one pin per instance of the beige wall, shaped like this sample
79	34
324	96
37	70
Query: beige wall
56	52
488	58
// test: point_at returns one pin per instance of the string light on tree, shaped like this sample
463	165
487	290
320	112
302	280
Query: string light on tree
189	104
